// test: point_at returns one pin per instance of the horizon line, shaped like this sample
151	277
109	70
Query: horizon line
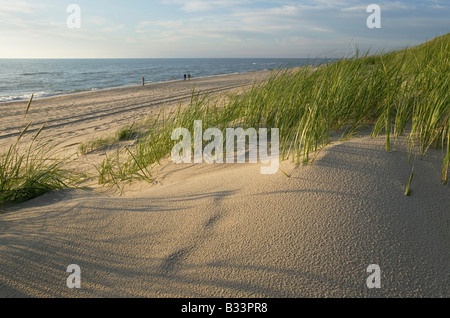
149	58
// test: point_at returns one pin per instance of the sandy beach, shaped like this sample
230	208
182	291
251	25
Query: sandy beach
74	117
225	230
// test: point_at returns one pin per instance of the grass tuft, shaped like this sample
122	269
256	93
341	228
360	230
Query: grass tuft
29	169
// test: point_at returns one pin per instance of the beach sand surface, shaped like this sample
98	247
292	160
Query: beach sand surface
73	118
225	230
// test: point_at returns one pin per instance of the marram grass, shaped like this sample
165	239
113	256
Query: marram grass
400	93
388	91
29	168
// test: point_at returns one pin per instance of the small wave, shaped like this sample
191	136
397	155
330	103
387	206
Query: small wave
36	73
5	99
96	72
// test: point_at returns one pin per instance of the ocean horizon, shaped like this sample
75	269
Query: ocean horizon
19	78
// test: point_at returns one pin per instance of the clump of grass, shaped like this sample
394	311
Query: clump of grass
390	91
126	133
31	171
135	162
95	144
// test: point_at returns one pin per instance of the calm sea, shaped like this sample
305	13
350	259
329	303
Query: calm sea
19	78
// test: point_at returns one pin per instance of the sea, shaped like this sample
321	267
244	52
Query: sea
19	78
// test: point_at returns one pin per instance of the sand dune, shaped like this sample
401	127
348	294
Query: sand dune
228	231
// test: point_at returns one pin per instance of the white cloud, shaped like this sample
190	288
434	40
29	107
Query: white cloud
385	6
355	9
97	20
12	6
203	5
396	5
245	24
113	28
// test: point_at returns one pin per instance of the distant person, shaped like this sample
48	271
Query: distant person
189	76
184	76
143	81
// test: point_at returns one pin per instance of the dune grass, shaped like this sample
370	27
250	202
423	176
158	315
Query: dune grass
400	93
389	91
96	144
125	133
30	168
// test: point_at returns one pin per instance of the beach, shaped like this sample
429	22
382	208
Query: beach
71	118
225	230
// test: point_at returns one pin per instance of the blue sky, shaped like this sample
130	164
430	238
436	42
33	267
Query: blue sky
217	28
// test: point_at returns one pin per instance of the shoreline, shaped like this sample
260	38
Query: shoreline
72	117
51	95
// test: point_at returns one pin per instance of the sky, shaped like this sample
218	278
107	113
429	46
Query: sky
213	29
